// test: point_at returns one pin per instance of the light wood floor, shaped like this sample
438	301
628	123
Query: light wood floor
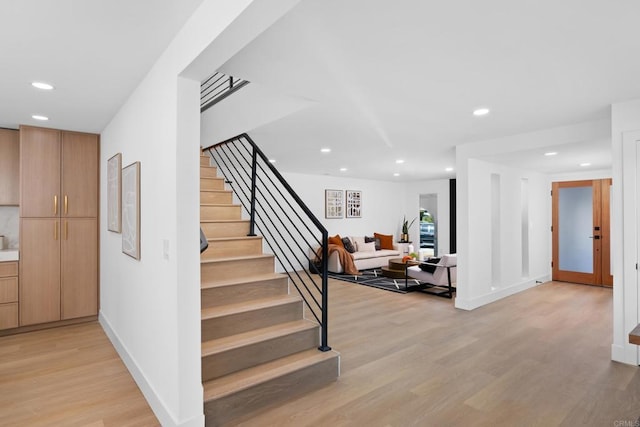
541	357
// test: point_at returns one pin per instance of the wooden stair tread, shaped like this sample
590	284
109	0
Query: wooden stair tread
216	191
242	380
247	306
226	239
241	280
634	336
220	204
223	221
257	335
237	258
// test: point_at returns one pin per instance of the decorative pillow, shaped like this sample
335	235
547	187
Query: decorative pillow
346	242
336	240
375	240
367	247
386	240
428	267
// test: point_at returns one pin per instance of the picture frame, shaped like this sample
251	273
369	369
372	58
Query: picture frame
131	210
114	193
333	204
353	201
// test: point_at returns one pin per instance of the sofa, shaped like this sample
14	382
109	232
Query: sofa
366	255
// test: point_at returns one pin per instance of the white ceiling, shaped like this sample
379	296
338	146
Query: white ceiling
389	80
399	80
95	52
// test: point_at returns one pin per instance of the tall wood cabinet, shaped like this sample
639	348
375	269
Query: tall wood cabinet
9	167
58	225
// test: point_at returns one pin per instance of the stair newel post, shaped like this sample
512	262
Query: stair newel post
324	345
254	173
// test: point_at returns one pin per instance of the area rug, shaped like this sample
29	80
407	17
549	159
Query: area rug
375	279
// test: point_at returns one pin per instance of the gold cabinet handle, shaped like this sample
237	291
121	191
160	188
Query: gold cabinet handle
55	230
66	230
66	204
55	205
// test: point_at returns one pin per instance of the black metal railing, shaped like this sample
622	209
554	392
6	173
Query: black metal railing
287	225
216	88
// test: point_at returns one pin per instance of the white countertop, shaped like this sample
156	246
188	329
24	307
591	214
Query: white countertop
9	255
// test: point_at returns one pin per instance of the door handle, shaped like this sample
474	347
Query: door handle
66	204
55	205
595	237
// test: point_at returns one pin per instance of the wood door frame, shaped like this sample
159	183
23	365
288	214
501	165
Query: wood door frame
601	190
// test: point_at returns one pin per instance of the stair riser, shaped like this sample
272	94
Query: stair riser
229	248
226	270
232	294
208	213
225	229
208	172
211	184
218	365
217	197
232	324
246	403
205	160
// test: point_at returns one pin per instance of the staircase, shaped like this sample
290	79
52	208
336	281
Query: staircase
258	350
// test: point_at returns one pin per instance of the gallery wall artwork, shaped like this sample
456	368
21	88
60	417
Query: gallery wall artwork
333	204
131	210
114	193
354	203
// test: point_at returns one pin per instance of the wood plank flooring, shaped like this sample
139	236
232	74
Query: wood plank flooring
67	376
541	357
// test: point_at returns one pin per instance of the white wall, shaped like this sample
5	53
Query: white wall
150	308
625	132
483	278
382	203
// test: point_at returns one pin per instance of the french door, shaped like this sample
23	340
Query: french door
581	232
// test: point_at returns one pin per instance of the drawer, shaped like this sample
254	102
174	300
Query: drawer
8	269
8	289
9	315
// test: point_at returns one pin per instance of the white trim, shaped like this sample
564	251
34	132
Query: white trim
474	303
153	398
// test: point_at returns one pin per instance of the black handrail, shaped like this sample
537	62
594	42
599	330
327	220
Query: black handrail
287	225
216	88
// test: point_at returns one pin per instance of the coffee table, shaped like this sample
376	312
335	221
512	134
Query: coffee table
396	268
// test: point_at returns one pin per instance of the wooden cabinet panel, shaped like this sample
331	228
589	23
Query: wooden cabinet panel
8	269
39	270
8	289
79	175
39	172
9	167
9	315
79	268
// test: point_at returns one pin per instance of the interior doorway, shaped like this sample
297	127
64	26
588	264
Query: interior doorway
428	217
581	232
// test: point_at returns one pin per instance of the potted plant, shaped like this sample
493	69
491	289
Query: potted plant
405	229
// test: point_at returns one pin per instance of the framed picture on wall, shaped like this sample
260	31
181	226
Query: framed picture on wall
114	193
333	204
354	203
131	210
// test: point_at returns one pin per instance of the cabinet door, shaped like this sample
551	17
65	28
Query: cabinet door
39	172
9	167
79	175
39	270
79	267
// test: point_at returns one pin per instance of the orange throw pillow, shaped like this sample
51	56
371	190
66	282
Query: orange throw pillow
386	240
336	240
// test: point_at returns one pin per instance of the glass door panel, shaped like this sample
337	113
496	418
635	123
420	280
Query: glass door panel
575	225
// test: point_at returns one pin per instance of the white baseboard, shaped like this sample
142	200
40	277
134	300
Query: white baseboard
153	399
498	294
625	354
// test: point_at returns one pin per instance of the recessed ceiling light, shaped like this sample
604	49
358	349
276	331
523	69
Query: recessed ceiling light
396	174
551	153
449	170
42	85
399	161
272	160
37	117
343	169
481	111
325	150
585	164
